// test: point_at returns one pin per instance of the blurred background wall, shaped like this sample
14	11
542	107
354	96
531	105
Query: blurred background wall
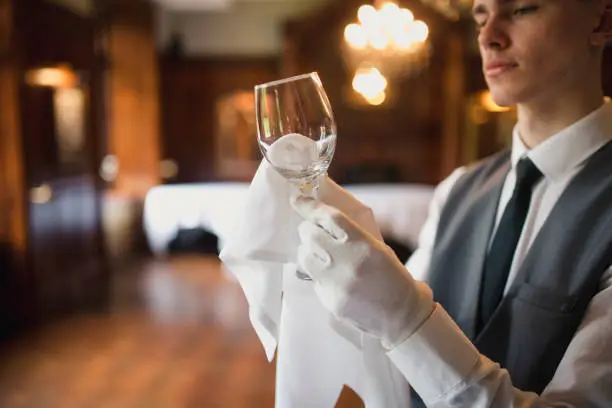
101	100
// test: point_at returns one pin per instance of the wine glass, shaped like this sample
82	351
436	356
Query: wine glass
296	130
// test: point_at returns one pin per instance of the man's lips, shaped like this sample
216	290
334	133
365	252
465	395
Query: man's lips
496	68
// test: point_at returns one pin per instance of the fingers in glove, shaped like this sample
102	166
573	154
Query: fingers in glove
312	260
328	218
314	234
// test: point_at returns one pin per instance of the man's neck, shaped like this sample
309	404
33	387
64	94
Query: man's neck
539	121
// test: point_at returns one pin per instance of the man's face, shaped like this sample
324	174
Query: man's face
530	48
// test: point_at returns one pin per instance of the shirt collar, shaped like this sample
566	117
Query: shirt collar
570	147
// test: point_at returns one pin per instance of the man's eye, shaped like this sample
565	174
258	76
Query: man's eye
524	10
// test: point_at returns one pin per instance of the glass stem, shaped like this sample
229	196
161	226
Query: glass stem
310	188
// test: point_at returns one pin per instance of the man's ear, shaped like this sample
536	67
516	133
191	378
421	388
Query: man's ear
602	34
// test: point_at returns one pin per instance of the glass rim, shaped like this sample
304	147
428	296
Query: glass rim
285	80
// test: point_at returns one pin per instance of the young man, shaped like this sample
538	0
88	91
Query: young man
517	251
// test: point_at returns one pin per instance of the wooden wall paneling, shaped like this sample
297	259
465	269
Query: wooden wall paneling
453	105
6	27
185	123
133	96
65	254
190	90
12	226
131	86
13	229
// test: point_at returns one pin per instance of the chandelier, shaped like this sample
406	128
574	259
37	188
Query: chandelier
386	43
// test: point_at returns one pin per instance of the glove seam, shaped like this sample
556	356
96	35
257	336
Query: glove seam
416	329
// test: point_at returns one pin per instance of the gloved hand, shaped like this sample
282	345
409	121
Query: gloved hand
357	277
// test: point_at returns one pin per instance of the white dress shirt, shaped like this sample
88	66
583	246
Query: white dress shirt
441	363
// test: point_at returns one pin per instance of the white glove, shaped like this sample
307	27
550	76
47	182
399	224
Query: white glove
357	277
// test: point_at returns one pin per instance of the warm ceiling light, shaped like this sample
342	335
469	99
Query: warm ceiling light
55	77
366	14
355	36
420	31
406	16
378	99
379	40
369	82
388	38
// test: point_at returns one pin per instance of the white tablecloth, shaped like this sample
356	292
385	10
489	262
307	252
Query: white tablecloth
400	209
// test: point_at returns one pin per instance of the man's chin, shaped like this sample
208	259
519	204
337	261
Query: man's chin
503	98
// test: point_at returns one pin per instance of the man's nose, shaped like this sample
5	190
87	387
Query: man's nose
493	35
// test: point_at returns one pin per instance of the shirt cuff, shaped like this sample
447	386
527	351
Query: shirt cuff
437	358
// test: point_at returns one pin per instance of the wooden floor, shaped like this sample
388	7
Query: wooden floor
177	336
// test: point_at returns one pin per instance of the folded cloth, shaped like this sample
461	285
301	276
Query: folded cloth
317	354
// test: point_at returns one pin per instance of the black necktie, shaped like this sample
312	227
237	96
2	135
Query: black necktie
501	252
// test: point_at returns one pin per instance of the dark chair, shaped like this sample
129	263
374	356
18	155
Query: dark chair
194	240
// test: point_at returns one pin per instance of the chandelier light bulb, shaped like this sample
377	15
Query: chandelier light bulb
406	17
403	39
366	14
420	31
389	13
369	82
377	99
379	40
388	38
356	36
389	8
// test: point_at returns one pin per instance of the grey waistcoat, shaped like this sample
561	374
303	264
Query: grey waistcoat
534	323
